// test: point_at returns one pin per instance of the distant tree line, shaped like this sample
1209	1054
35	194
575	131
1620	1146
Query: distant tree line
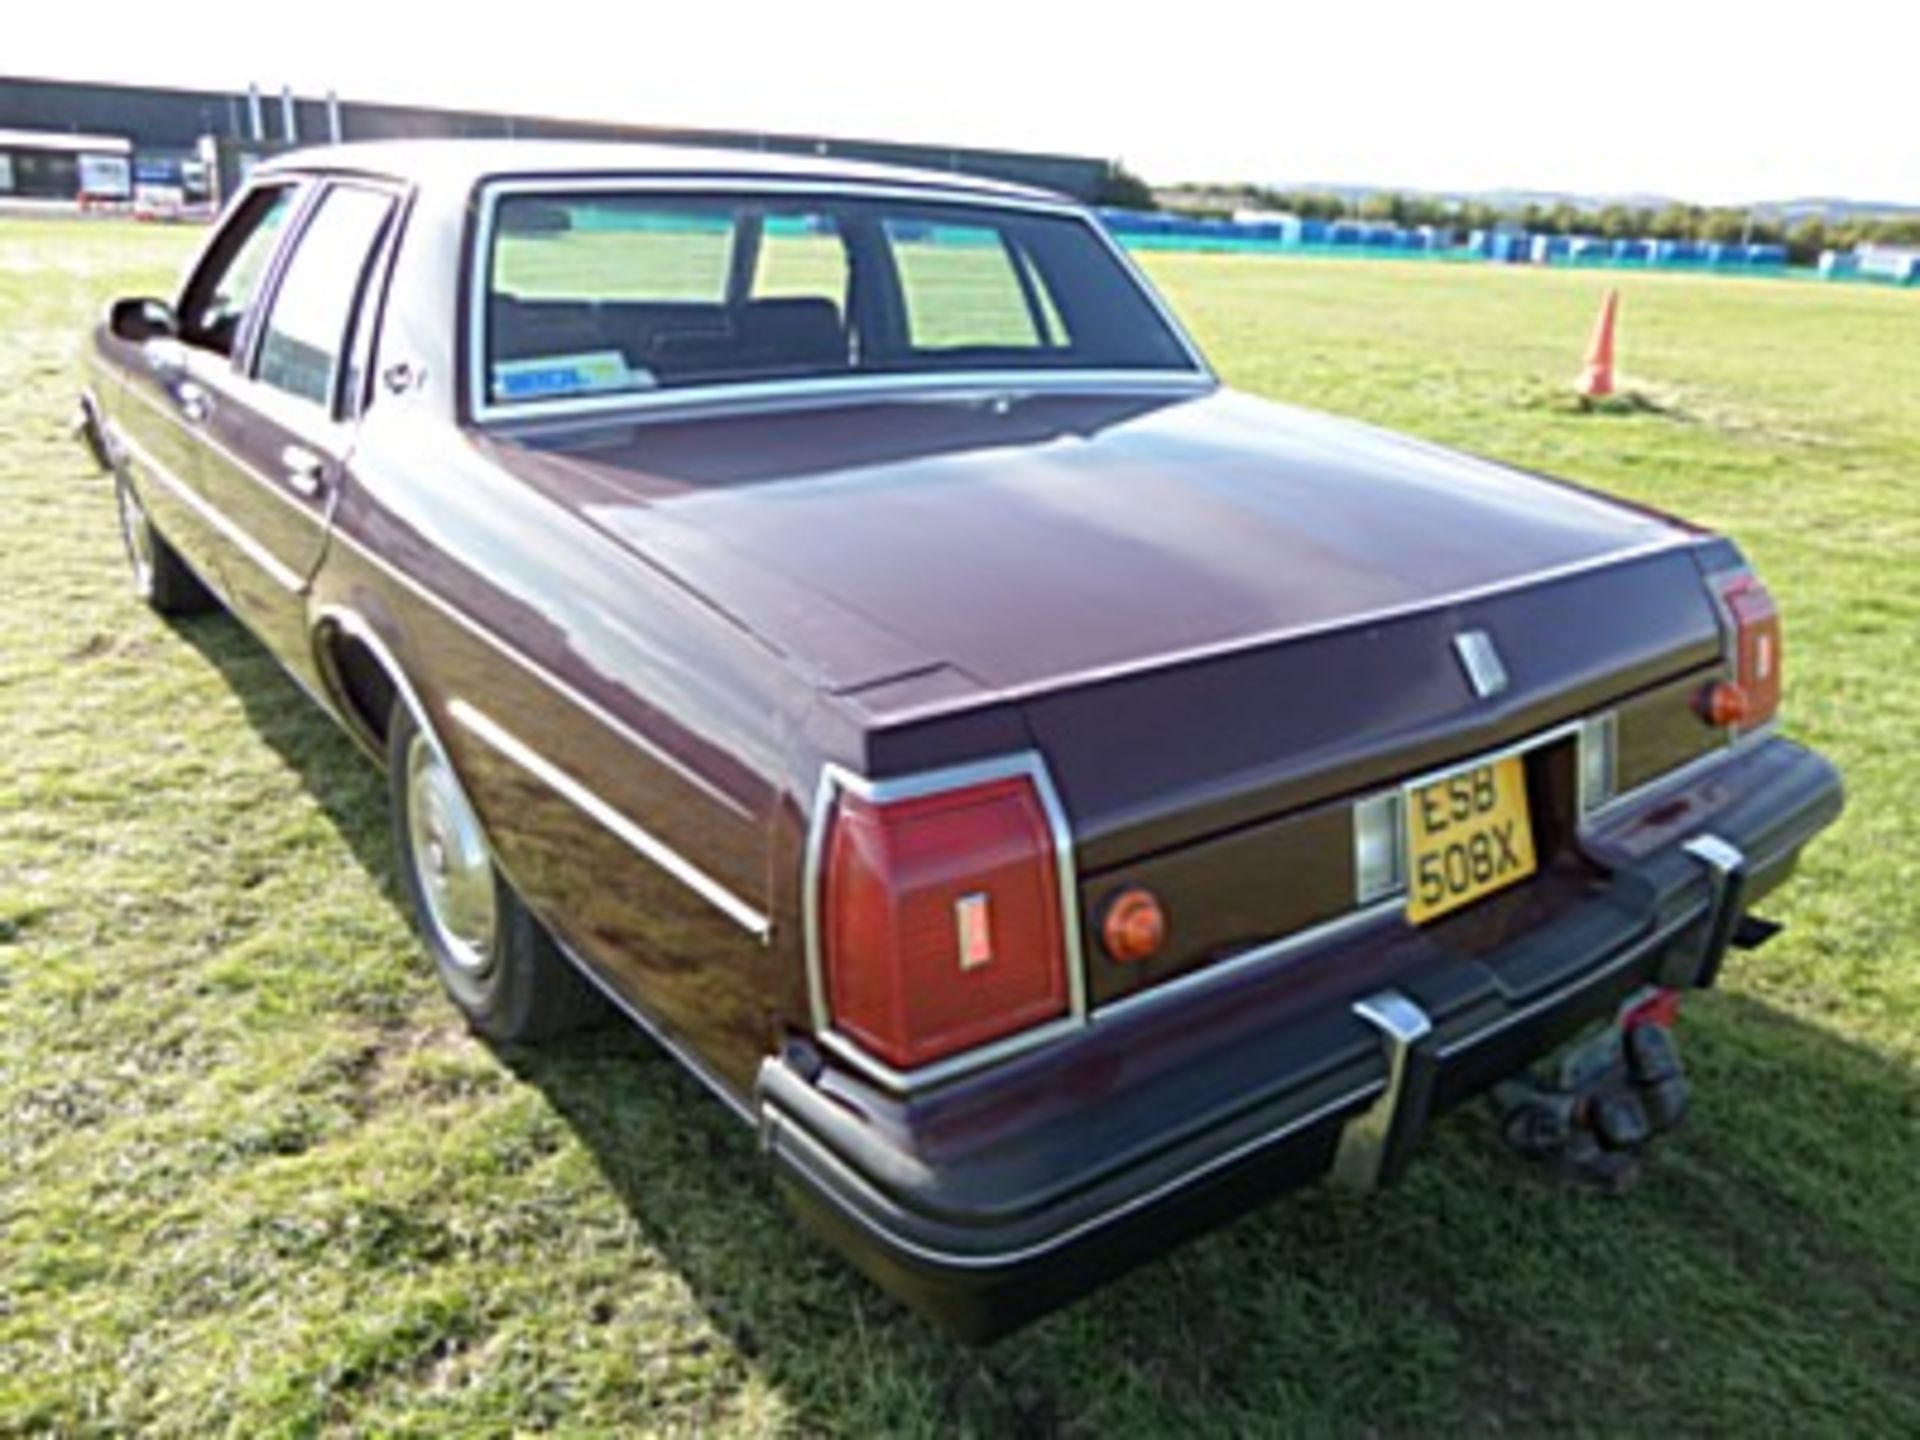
1804	239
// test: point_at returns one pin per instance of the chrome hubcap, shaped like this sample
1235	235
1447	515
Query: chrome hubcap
449	859
138	536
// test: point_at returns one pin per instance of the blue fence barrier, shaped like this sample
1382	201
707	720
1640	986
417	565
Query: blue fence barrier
1148	231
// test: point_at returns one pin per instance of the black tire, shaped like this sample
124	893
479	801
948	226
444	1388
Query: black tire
517	986
160	576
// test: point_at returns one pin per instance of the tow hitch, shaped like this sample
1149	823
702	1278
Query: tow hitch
1587	1112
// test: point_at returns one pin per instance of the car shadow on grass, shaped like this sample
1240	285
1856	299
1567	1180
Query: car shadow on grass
1770	1244
349	790
1767	1265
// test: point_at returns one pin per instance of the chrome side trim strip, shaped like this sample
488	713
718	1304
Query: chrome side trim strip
1363	1143
276	570
834	778
755	922
1208	977
1681	775
599	713
773	1119
199	437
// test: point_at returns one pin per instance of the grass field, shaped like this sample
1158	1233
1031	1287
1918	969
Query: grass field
256	1179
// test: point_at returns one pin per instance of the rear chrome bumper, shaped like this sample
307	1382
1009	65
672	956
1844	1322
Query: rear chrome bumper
991	1202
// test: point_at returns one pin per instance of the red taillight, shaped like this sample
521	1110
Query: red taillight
941	924
1756	651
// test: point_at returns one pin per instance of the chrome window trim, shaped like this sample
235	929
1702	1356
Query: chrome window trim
726	395
482	409
1025	764
320	190
296	181
483	727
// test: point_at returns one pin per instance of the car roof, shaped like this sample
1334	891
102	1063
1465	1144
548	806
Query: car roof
465	163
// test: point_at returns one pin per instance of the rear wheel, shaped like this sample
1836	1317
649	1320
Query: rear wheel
160	576
499	966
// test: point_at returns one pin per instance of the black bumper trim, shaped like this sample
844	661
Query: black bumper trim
986	1257
782	1135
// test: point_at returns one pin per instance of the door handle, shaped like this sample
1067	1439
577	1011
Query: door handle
305	471
195	403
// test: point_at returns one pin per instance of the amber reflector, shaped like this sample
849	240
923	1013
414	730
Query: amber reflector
1135	926
1722	704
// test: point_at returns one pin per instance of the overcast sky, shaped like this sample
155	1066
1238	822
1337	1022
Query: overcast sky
1702	99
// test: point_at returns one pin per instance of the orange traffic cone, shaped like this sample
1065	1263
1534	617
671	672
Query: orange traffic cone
1597	382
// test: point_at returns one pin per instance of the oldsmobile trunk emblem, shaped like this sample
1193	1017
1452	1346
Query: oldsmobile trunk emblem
1481	662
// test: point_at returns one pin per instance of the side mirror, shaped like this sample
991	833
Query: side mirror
138	320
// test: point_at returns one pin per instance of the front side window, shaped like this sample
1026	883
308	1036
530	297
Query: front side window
307	328
609	293
222	291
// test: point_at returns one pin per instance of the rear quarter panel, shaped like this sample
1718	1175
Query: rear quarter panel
494	600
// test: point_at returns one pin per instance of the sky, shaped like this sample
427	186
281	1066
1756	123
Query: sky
1700	99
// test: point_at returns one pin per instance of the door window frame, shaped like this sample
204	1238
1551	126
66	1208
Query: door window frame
293	411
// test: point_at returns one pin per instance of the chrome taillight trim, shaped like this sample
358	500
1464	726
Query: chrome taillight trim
1718	583
835	780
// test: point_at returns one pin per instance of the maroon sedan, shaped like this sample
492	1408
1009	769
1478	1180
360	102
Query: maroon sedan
834	616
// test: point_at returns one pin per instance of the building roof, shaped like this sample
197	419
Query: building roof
465	163
65	141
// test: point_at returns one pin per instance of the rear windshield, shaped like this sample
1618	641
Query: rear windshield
609	293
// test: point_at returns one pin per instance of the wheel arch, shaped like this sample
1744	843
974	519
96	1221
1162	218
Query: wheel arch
365	678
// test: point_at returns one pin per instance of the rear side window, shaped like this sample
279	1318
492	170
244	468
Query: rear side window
306	330
964	287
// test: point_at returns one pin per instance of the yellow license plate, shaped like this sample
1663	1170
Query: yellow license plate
1468	835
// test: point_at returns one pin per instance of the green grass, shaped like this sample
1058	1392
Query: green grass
255	1178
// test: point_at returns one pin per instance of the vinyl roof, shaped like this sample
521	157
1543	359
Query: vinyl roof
465	163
